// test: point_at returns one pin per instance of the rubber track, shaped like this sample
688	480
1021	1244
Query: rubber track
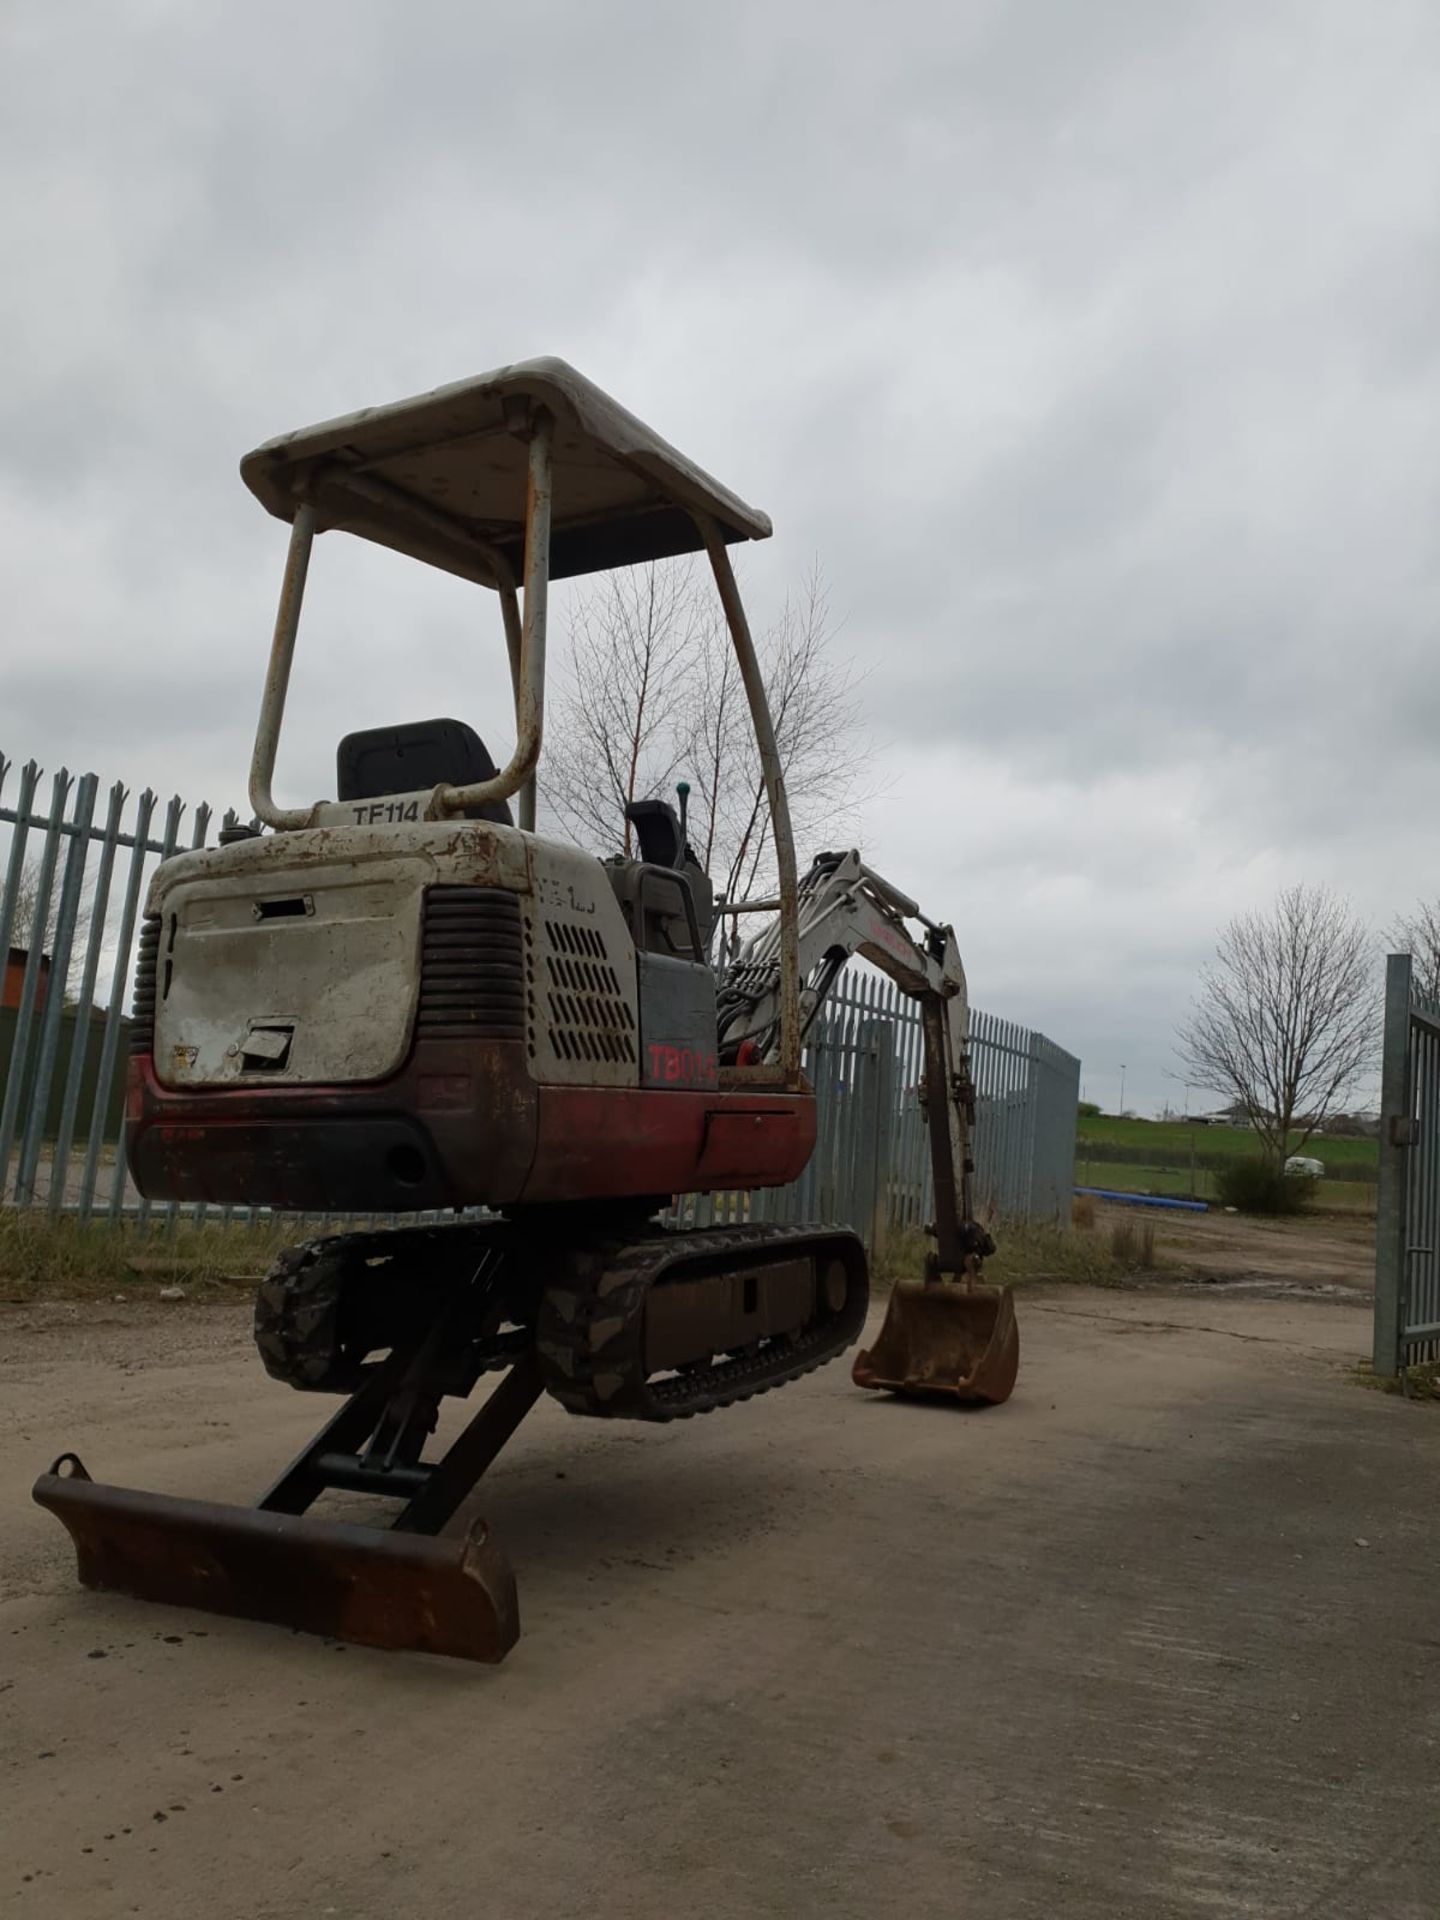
591	1331
591	1334
297	1304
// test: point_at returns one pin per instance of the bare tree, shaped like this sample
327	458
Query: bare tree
815	705
618	726
1286	1018
26	930
1418	934
716	730
27	895
653	694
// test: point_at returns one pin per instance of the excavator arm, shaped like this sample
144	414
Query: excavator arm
959	1340
844	909
847	909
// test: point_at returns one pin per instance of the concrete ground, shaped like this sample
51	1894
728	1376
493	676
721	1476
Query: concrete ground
1156	1639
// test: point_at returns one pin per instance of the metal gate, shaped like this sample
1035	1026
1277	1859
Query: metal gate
1407	1224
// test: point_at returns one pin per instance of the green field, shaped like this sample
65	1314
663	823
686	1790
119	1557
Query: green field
1180	1160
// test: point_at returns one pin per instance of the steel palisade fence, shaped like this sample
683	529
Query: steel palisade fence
79	873
1407	1217
871	1166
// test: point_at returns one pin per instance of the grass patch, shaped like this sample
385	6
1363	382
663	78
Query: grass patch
47	1259
1423	1380
1132	1245
1171	1140
1025	1251
1353	1196
1175	1159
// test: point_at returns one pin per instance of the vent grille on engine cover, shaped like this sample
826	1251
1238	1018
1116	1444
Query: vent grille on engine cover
589	1019
472	966
142	1014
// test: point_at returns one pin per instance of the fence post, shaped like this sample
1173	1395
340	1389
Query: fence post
833	1059
15	871
85	1005
1035	1091
1396	1114
869	1197
52	1021
30	981
110	1039
1055	1083
858	1155
169	842
1068	1077
886	1136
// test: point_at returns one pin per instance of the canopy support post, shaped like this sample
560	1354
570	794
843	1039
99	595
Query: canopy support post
530	681
774	776
277	677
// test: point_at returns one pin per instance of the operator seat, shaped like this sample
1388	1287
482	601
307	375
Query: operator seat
657	829
662	843
413	756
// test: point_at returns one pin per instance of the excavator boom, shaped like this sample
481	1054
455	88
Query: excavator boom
947	1336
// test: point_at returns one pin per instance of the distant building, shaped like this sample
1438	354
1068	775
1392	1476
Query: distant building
15	976
1353	1126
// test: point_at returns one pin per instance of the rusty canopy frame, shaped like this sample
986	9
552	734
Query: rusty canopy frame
636	499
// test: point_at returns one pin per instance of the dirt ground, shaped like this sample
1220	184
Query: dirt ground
1151	1640
1313	1255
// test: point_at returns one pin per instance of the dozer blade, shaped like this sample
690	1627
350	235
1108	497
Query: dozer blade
450	1594
949	1341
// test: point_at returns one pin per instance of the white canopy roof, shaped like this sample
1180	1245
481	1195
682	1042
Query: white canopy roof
444	475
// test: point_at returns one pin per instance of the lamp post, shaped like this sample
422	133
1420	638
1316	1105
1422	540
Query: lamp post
1180	1082
1186	1084
1122	1089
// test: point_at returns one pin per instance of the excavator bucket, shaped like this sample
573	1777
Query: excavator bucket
451	1593
944	1341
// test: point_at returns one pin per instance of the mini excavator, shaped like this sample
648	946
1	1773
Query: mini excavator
406	1001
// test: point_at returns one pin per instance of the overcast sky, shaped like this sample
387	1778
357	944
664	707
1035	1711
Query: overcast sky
1093	350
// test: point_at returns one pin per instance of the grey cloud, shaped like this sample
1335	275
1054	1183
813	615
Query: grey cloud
1091	350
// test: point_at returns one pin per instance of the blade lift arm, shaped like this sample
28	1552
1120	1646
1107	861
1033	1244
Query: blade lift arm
846	909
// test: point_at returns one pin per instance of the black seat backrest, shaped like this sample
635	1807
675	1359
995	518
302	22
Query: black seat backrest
413	756
657	829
